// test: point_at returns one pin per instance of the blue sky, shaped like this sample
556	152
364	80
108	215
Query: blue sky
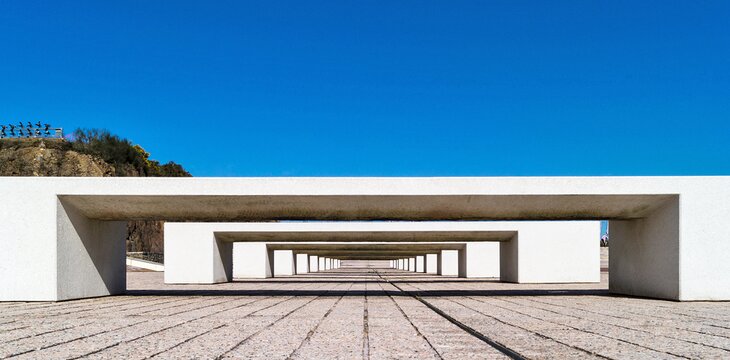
391	88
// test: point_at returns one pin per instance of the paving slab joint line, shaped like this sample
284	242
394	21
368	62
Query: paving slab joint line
365	329
157	331
412	324
630	328
531	331
501	348
314	329
268	326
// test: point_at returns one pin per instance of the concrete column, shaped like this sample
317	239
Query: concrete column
302	263
250	260
482	259
439	263
313	263
450	262
283	263
88	255
565	252
327	264
431	264
462	263
322	264
412	264
420	264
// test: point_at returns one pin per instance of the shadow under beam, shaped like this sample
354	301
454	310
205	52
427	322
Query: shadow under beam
421	293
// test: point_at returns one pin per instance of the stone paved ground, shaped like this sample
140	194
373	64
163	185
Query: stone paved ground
361	313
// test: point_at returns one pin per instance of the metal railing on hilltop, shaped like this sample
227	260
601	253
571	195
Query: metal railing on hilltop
30	131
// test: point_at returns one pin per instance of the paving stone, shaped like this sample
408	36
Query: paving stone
362	313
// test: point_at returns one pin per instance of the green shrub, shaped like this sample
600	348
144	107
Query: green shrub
122	154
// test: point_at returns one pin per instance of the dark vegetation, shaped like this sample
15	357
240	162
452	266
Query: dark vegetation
122	154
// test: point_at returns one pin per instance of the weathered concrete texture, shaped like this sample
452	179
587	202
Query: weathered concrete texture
362	313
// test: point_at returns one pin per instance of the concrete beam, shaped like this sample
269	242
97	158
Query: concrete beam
660	220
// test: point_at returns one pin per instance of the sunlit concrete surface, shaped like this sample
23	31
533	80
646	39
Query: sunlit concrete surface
283	262
302	263
524	252
363	314
667	233
432	263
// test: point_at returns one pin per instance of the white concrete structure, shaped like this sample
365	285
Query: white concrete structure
432	263
450	263
322	262
420	264
513	253
667	233
483	260
302	263
284	263
313	263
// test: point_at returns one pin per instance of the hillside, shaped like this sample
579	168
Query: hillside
93	153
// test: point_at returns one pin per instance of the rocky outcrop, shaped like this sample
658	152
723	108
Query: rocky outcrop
55	157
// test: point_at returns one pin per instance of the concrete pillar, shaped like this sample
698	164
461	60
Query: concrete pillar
327	264
431	264
462	263
250	260
302	263
482	259
283	263
565	252
450	262
420	264
439	263
88	255
412	264
322	264
313	263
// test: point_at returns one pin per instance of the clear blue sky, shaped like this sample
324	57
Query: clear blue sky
391	88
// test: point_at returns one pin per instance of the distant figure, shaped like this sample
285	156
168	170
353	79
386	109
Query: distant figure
604	240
